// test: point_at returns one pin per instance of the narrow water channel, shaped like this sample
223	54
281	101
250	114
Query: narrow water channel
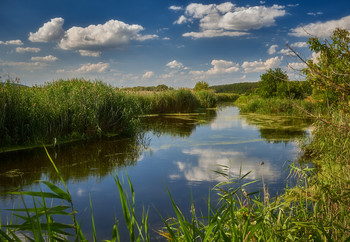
181	152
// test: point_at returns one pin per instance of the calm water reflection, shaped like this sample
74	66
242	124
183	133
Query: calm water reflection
181	151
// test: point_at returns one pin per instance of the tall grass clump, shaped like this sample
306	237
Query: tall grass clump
63	110
207	98
181	100
278	106
242	216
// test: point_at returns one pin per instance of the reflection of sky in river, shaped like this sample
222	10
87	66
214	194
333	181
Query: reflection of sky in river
185	165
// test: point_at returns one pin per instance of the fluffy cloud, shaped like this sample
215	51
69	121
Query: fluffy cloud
50	31
99	67
49	58
175	64
227	19
222	67
89	53
299	45
11	42
112	34
260	66
297	66
272	49
181	20
321	29
286	52
27	49
148	74
219	67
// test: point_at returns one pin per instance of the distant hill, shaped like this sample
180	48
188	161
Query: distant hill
238	88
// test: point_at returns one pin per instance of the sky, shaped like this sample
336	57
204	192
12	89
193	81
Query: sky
130	43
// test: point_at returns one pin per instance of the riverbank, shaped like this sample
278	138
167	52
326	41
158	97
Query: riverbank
78	109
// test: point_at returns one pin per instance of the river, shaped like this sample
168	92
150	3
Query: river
181	152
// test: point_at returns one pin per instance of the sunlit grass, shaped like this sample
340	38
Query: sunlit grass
76	109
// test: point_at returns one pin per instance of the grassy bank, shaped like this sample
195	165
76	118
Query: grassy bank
80	109
279	106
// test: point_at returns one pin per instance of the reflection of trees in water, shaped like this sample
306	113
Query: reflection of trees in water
76	161
277	129
181	125
81	160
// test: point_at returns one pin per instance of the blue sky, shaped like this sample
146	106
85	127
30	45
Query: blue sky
177	43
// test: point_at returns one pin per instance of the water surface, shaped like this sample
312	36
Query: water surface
178	151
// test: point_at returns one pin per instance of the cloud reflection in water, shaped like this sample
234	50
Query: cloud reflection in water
210	160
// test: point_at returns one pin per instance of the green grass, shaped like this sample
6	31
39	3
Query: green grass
76	109
278	106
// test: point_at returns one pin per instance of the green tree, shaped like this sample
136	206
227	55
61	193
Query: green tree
161	87
270	81
201	85
329	73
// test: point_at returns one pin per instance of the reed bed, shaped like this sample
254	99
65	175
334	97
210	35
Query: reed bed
279	106
79	109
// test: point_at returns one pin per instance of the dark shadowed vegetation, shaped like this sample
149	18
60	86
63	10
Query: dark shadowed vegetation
237	88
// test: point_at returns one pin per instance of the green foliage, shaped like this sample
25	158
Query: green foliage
206	98
80	109
159	88
270	82
200	86
329	72
227	97
294	89
63	110
238	88
279	106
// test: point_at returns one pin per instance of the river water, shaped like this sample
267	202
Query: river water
181	152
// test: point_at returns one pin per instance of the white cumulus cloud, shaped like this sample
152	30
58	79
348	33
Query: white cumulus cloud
175	64
321	29
260	66
227	19
222	67
272	49
148	75
299	44
11	42
99	67
296	66
181	20
112	34
50	31
49	58
286	52
27	49
219	67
